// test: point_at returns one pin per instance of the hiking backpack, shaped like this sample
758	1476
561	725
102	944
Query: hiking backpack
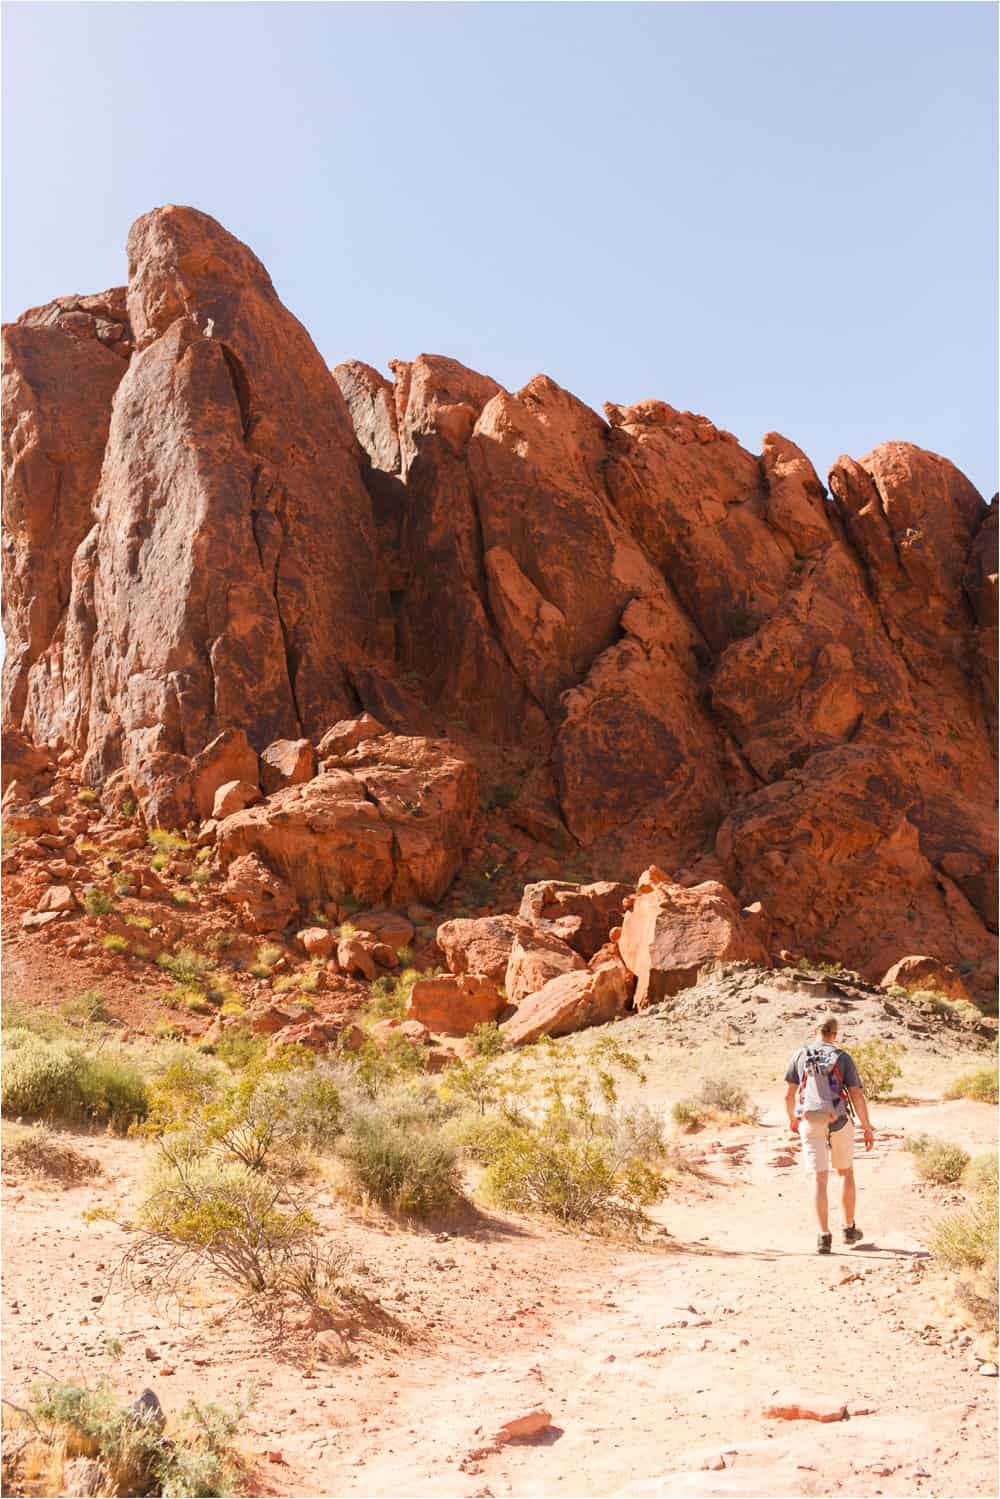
821	1087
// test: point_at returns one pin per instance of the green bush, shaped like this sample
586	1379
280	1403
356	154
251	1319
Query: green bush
412	1170
724	1096
688	1116
557	1171
58	1082
937	1161
96	902
487	1040
879	1065
391	995
135	1455
237	1220
981	1173
966	1243
980	1086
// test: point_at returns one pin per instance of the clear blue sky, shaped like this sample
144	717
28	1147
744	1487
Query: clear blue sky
781	215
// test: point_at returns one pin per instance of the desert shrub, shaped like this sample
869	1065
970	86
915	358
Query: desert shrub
981	1173
183	898
243	1223
937	1161
980	1086
142	922
266	957
718	1098
165	842
879	1065
134	1454
555	1140
85	1009
410	1171
725	1096
390	994
97	902
272	1108
59	1082
33	1151
966	1243
688	1116
377	1068
238	1045
186	966
87	796
486	1040
114	943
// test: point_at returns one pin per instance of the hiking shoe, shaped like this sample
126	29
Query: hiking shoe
824	1244
852	1234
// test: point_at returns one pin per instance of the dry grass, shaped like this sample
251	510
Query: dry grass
34	1151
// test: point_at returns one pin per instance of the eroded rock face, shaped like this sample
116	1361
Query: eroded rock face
689	654
455	1003
393	827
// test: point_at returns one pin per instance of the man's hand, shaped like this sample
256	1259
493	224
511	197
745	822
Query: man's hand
869	1134
793	1125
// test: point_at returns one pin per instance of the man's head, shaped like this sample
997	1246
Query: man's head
827	1028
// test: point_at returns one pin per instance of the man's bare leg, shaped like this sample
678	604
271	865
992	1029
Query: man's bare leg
822	1205
849	1195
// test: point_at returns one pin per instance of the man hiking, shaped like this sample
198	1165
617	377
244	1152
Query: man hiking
823	1094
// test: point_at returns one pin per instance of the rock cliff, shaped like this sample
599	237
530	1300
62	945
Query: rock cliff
654	645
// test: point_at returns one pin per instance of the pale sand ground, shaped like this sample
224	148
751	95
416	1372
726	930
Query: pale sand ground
646	1359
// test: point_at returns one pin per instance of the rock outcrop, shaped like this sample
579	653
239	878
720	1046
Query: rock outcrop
668	649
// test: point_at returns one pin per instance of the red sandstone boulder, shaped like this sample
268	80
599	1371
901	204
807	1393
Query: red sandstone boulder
455	1003
264	901
671	932
571	1002
318	941
229	757
232	797
58	898
393	822
348	734
286	762
579	915
533	961
920	973
388	927
481	944
21	761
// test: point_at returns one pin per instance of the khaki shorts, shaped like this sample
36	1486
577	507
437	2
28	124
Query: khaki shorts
822	1151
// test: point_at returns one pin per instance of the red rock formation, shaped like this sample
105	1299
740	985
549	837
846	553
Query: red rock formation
667	648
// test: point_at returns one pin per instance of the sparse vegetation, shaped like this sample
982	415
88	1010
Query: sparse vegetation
87	796
85	1009
113	943
97	902
486	1040
32	1150
128	1444
401	1160
979	1085
718	1099
966	1243
879	1065
937	1161
59	1082
390	994
165	842
268	954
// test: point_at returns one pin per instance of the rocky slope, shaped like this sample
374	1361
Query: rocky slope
626	636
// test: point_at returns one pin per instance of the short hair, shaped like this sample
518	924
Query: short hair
829	1025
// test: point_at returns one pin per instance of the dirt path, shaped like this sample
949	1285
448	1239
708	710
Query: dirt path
653	1364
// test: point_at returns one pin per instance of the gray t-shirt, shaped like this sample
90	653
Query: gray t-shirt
845	1062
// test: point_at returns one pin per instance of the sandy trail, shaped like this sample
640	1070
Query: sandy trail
652	1363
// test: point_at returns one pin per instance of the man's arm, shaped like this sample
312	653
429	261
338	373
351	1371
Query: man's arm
860	1103
790	1093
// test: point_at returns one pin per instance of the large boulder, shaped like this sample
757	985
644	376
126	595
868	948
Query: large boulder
916	974
286	762
571	1002
481	944
671	932
533	961
454	1003
579	915
265	902
229	757
387	826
